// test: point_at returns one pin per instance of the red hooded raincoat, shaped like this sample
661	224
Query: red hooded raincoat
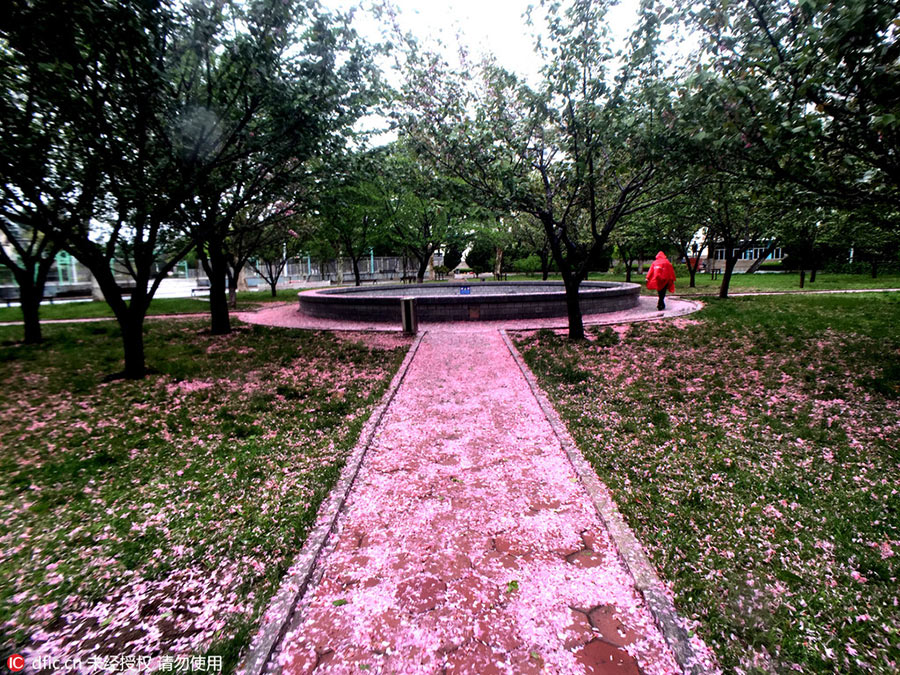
661	274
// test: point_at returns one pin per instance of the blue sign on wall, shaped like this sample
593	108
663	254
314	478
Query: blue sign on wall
465	290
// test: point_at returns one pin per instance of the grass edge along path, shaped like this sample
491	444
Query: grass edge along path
753	449
150	518
691	654
277	617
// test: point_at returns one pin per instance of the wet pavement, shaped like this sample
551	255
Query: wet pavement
467	543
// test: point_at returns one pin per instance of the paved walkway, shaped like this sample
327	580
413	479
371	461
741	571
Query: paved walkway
468	544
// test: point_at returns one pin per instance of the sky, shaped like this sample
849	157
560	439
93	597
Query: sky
496	26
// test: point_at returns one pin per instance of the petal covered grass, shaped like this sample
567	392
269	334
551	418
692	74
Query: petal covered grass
755	451
156	518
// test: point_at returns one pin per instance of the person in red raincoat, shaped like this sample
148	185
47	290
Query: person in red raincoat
661	278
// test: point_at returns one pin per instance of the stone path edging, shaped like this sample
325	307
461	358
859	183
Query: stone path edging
280	611
630	550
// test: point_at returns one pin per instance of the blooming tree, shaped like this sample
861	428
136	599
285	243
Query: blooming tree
579	153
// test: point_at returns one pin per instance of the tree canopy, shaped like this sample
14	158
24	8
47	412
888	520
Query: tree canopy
811	91
137	133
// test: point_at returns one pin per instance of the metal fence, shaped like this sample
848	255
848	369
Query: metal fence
67	276
378	268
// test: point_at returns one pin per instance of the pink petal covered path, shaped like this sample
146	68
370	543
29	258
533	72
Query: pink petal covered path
468	544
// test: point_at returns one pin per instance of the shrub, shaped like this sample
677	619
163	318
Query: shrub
528	265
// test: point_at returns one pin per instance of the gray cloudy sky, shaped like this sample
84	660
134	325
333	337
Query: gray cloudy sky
484	26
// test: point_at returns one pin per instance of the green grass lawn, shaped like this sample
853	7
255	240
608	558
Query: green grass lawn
755	450
789	282
99	309
158	517
247	300
747	283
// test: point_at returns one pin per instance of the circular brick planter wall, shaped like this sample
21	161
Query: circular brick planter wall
485	301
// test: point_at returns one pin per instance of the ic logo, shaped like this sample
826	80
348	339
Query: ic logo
15	663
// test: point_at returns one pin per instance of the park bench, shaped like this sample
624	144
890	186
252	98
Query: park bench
716	271
408	279
8	294
201	287
351	280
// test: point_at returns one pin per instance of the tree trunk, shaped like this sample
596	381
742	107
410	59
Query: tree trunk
270	273
498	263
692	271
130	317
423	267
812	275
234	278
570	280
573	309
31	278
726	276
754	267
30	302
874	267
545	266
802	278
214	264
240	277
133	342
356	279
133	330
628	271
96	291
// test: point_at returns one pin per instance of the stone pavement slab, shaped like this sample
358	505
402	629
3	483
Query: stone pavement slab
468	544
